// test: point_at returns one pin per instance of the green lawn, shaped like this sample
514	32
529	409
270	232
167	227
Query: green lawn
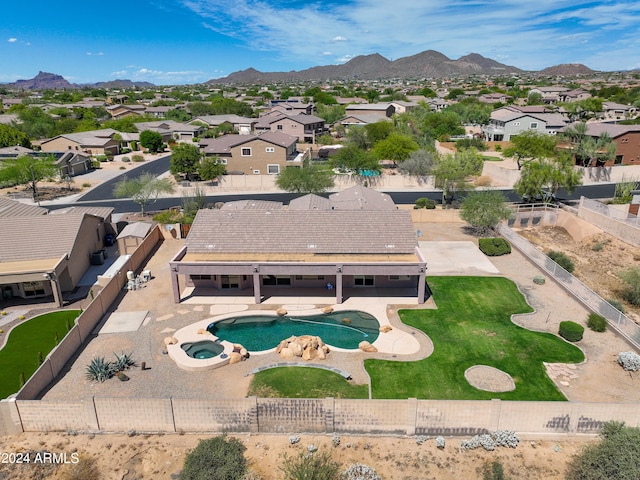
472	326
304	382
20	354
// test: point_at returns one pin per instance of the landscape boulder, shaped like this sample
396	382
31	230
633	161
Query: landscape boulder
306	346
367	347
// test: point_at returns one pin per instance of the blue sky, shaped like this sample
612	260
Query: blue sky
170	42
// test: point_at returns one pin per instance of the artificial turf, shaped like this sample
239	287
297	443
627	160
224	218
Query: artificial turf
25	342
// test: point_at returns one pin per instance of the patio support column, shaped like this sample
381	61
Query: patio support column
57	292
421	284
256	284
175	284
339	284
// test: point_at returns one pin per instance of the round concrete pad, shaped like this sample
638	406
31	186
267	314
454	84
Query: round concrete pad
456	258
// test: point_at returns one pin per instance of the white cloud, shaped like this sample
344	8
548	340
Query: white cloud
12	40
531	34
99	54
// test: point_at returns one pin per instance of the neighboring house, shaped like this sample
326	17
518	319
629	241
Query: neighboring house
627	138
294	108
268	153
121	111
362	119
9	119
96	142
350	100
10	102
261	253
574	95
241	125
550	94
15	152
306	127
618	111
158	112
508	121
494	98
73	163
172	130
384	109
47	254
437	104
354	198
401	106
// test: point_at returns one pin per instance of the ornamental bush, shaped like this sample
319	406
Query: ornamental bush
494	246
427	203
571	331
562	260
596	322
630	361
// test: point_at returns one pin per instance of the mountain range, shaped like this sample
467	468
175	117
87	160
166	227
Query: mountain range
427	64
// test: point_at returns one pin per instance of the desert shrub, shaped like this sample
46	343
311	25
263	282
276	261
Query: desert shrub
427	203
137	158
493	471
631	285
571	331
99	370
102	158
86	467
217	458
305	466
498	148
630	361
539	280
597	246
562	260
494	246
125	159
615	456
596	322
616	304
483	181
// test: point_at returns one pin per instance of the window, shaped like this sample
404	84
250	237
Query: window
273	169
246	152
221	161
200	277
279	127
269	149
309	277
533	125
363	280
399	277
618	160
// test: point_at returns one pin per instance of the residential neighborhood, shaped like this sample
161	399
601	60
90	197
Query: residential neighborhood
412	234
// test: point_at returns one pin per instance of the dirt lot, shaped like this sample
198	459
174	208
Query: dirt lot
597	258
159	457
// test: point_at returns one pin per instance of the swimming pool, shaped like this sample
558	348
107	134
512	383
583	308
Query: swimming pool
262	332
202	349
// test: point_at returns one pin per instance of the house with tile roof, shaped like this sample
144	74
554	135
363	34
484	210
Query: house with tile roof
626	137
512	120
95	142
241	125
299	252
45	253
265	154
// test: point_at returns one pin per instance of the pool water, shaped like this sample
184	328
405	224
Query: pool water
262	332
204	349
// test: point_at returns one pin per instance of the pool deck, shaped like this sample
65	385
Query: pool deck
162	378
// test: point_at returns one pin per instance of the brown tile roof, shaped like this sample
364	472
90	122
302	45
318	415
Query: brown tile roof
252	205
11	208
40	237
302	232
361	198
310	202
102	212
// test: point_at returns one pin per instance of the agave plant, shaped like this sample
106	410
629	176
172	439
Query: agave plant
99	370
124	361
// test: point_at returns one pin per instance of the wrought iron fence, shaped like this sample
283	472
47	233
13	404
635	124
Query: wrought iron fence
616	319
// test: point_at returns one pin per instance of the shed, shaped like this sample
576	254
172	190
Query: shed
132	236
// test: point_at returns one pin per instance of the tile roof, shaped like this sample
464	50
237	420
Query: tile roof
252	205
310	202
11	208
137	229
38	237
361	198
102	212
302	232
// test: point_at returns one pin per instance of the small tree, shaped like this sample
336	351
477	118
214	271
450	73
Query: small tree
144	189
218	458
152	141
614	457
419	164
185	159
210	169
483	210
312	179
26	170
